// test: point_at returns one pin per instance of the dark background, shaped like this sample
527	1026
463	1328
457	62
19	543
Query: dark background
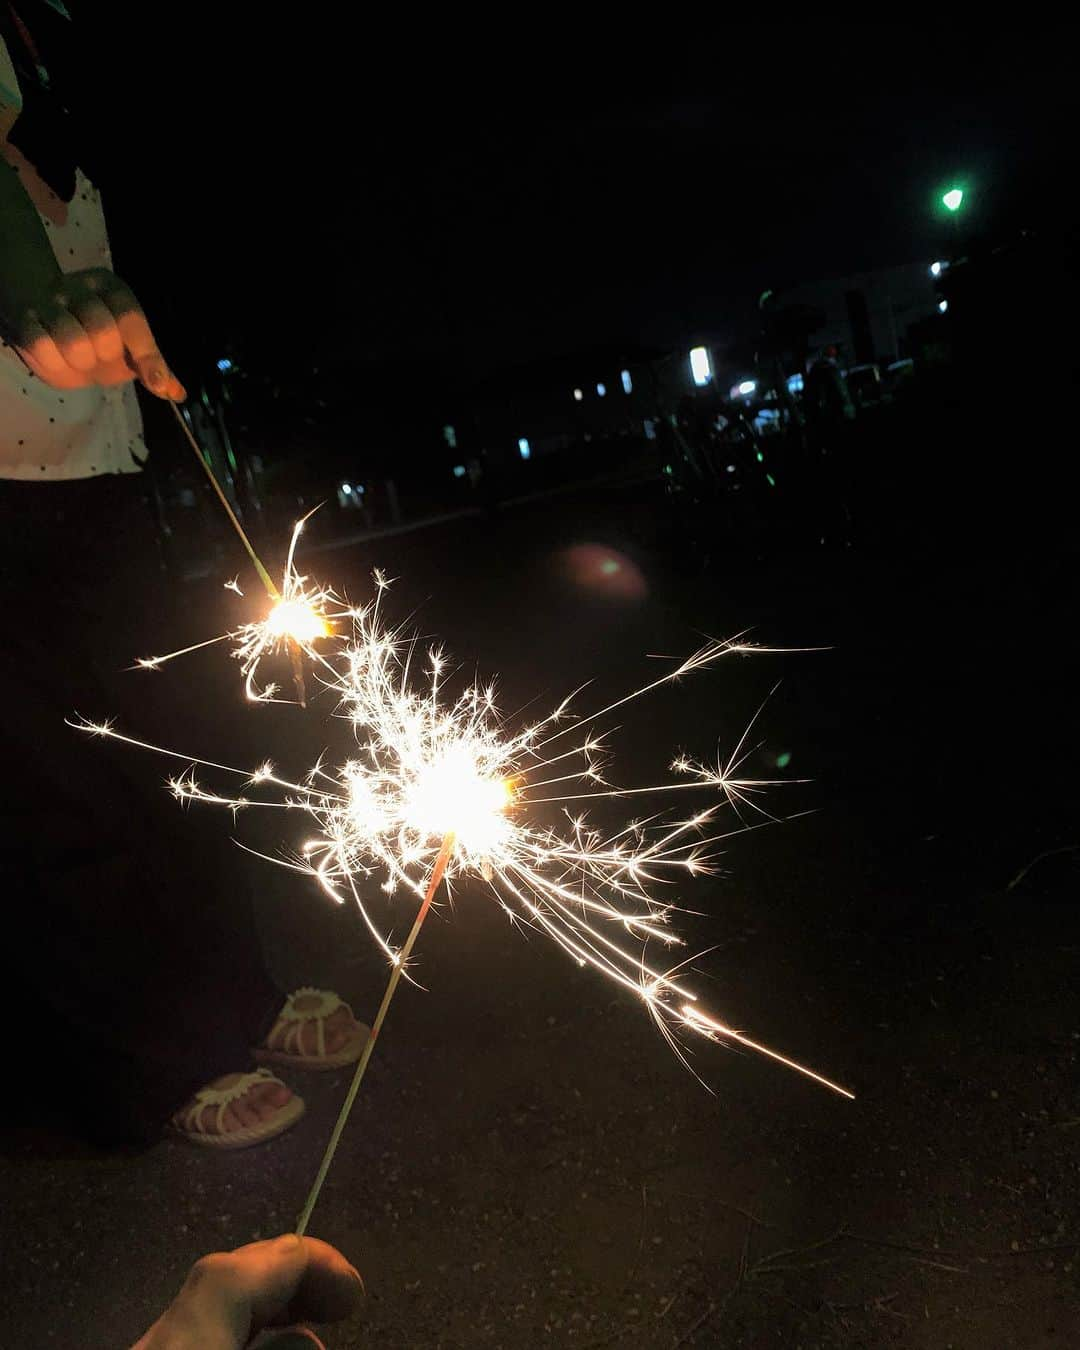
528	1164
478	196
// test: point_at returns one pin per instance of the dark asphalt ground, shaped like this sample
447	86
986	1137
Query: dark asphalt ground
528	1163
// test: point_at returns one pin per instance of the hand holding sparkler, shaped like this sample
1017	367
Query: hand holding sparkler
229	1297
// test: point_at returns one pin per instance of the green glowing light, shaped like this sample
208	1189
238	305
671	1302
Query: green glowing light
770	479
953	199
760	457
783	759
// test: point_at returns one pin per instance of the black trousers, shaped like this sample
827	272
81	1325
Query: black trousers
131	964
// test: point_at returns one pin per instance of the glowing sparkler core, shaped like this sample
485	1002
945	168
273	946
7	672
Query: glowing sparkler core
296	621
451	796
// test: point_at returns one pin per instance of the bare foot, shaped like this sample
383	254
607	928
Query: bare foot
261	1102
339	1027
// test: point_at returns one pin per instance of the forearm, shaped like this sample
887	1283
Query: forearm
28	267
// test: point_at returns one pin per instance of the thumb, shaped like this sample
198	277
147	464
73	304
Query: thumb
154	375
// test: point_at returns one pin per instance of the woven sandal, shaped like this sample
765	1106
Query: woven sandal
284	1044
189	1121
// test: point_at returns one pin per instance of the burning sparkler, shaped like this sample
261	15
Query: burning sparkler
295	619
299	616
438	787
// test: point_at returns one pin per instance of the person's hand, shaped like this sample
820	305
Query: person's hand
229	1297
87	328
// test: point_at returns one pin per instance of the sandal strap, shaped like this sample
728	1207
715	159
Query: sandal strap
328	1002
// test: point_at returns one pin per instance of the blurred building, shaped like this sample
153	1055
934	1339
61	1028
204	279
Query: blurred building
562	407
867	315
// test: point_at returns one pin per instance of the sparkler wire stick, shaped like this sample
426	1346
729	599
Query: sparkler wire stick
264	576
369	1045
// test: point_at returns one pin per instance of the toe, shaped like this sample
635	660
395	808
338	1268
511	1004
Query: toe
274	1096
232	1119
340	1025
246	1112
270	1098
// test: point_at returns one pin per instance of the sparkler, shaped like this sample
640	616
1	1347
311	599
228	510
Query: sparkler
299	616
295	619
438	789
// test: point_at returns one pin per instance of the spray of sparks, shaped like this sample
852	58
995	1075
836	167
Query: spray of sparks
427	764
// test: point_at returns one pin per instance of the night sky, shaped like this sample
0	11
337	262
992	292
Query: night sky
321	197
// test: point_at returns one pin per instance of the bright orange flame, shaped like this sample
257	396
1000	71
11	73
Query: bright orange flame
298	620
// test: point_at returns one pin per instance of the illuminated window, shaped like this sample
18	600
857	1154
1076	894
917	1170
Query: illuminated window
700	365
627	382
795	384
224	364
578	395
601	390
524	449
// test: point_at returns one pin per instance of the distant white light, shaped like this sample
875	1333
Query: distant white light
936	269
747	387
627	382
450	437
700	365
524	449
601	389
943	306
224	364
578	395
347	489
731	468
459	470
